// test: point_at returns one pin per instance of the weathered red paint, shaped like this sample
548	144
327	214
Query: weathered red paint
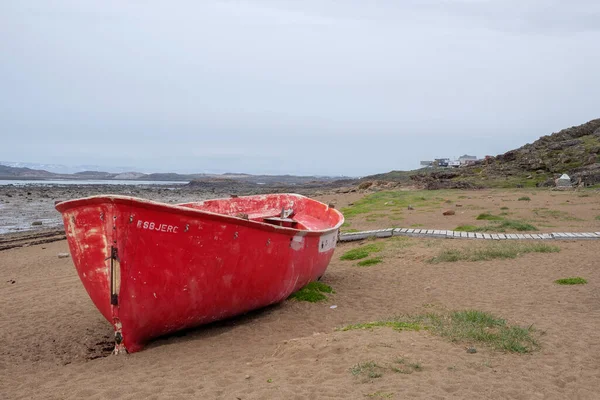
179	266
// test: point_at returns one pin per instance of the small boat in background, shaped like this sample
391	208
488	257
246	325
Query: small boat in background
153	268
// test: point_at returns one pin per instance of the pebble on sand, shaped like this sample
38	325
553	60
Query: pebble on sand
63	255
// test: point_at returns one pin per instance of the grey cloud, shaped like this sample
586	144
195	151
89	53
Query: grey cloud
349	87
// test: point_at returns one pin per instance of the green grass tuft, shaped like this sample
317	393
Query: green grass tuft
489	217
571	281
473	325
502	250
362	252
368	369
524	198
449	255
407	368
467	228
396	325
381	201
504	208
464	326
555	214
313	292
598	217
498	226
379	394
512	225
369	261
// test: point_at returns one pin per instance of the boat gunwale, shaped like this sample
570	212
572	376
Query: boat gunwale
192	212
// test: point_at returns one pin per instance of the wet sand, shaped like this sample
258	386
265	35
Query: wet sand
56	345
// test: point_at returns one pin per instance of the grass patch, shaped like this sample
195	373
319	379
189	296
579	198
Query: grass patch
313	292
482	327
399	242
502	250
375	216
524	198
467	228
362	252
381	201
597	217
369	261
571	281
380	395
396	325
406	368
498	226
555	214
471	326
489	217
504	208
512	225
369	370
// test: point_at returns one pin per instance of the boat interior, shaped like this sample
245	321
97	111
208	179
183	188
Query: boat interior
289	213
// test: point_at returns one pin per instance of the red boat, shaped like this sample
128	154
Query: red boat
152	268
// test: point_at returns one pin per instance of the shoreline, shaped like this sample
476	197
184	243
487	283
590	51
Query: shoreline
29	208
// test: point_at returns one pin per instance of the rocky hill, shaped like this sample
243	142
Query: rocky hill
574	151
23	173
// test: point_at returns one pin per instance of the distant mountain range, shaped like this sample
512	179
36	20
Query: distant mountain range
65	169
31	171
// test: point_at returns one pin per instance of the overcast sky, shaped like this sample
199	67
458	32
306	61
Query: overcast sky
347	87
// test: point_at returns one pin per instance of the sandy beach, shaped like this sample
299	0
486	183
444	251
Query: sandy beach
56	345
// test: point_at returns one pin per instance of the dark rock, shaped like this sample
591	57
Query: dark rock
365	185
564	144
508	156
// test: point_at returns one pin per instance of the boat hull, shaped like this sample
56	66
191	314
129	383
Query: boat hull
152	268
